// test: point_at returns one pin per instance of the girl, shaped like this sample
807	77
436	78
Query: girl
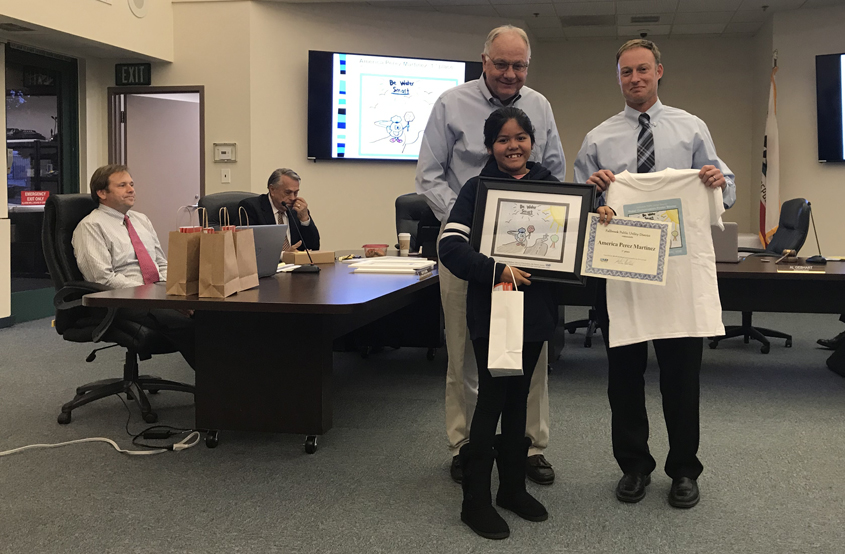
509	138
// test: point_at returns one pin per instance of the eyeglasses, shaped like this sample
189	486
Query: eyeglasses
502	65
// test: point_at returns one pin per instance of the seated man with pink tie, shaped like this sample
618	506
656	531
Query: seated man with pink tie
119	248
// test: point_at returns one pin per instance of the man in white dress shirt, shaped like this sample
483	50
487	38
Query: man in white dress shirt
645	137
119	248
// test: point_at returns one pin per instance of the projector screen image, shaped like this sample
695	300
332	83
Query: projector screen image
830	105
374	107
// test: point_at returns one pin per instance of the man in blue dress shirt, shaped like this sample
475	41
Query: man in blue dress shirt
648	136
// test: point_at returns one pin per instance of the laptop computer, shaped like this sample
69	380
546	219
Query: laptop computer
269	240
726	243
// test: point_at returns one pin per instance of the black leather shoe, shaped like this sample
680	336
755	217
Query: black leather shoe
455	471
539	470
631	488
684	493
834	343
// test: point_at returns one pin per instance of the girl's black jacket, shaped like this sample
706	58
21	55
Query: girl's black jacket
459	257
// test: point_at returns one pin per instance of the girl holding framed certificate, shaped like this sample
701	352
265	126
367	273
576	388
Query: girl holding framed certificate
509	138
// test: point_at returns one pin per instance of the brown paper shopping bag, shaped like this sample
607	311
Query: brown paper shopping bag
183	259
245	250
219	276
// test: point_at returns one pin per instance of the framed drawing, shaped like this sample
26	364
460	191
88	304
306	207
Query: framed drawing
538	226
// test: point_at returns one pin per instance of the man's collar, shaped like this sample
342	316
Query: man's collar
111	211
654	113
485	91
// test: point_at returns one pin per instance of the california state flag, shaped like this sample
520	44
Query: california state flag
770	182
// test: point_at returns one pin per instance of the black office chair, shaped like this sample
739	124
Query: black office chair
229	200
77	323
415	217
793	226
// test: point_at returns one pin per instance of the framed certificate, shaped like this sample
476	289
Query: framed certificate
538	226
628	249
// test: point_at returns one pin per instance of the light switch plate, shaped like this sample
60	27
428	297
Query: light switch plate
225	176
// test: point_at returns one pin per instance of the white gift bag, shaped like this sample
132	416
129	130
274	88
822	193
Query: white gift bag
504	355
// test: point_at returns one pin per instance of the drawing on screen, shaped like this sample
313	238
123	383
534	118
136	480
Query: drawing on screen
530	230
397	129
399	109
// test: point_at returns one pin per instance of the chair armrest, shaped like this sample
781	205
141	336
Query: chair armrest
70	296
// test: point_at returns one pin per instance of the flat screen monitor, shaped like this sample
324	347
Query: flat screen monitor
830	106
375	107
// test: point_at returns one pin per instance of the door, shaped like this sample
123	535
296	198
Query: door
42	158
157	132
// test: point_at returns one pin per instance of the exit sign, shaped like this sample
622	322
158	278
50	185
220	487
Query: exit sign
132	74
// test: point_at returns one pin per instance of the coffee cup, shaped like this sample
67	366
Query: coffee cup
404	243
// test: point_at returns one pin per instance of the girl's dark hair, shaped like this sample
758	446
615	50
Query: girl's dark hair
497	120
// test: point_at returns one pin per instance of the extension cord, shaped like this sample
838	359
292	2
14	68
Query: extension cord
181	445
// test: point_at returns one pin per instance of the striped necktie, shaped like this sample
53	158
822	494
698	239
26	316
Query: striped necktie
645	146
280	217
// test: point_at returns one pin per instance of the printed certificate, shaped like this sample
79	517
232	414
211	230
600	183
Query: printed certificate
628	249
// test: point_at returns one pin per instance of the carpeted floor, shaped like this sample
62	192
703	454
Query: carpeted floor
772	446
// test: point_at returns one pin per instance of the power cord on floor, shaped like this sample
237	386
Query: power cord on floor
156	432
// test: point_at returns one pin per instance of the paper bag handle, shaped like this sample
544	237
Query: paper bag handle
202	219
188	210
223	213
241	209
512	277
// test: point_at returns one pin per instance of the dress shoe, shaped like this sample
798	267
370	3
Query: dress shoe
684	493
834	343
539	470
631	488
455	470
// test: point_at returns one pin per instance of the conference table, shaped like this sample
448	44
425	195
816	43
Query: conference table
264	355
757	284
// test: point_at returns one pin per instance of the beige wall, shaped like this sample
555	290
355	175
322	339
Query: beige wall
256	95
220	61
111	24
579	79
799	37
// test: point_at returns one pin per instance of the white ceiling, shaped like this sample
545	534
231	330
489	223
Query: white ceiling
552	20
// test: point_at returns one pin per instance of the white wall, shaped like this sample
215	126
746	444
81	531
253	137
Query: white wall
799	37
109	24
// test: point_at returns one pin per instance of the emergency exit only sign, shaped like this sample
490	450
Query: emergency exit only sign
132	74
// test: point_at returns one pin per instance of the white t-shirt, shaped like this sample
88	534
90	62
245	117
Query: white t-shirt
688	304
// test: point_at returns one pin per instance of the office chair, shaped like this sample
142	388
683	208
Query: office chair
415	217
230	200
793	226
77	323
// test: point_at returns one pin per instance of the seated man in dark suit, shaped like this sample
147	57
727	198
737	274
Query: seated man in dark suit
280	203
118	247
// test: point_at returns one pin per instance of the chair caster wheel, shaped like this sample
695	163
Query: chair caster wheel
588	342
212	439
745	339
765	348
310	444
789	343
714	344
64	418
150	417
571	331
153	391
430	354
365	352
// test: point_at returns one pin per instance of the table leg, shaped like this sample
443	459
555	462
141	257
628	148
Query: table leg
264	372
